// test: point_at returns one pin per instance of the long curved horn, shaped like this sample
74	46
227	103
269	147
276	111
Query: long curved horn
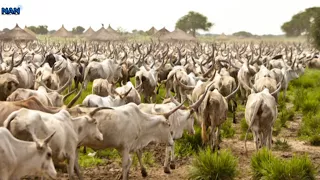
183	85
67	95
11	65
231	94
20	62
80	55
92	113
167	114
276	91
74	100
125	94
196	105
51	90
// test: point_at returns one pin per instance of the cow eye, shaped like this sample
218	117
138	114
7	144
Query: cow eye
49	155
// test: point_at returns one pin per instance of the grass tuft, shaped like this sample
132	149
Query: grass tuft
209	165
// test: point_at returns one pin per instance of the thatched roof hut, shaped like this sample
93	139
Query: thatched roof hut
112	31
104	35
17	34
63	33
161	32
177	35
29	31
152	31
88	32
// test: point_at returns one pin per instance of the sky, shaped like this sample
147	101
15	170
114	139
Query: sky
229	16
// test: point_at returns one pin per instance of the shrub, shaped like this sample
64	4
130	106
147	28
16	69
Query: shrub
310	129
189	144
227	131
266	166
281	145
218	165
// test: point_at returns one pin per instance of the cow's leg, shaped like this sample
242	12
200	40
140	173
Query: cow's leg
168	90
242	95
84	150
213	138
77	167
166	160
172	162
255	140
234	109
218	138
125	164
143	169
71	167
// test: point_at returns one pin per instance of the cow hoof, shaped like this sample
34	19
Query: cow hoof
166	170
172	166
144	173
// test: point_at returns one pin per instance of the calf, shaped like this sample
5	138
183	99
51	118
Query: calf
21	158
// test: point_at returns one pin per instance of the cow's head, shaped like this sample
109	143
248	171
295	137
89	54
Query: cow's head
43	157
291	74
88	130
50	59
56	99
117	72
8	84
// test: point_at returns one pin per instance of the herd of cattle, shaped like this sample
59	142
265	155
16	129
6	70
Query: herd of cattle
38	131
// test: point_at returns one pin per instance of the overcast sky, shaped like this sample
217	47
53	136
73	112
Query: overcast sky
229	16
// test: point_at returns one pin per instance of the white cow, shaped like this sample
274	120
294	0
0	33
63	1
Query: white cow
128	129
71	132
261	113
21	158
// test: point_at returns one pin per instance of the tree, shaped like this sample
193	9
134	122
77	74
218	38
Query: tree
242	34
300	22
42	29
122	30
192	22
77	30
315	31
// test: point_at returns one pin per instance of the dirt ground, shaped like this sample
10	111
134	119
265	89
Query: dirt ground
113	170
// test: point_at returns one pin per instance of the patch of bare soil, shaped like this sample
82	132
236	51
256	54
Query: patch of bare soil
113	170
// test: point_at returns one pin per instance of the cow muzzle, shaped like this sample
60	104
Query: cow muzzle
99	137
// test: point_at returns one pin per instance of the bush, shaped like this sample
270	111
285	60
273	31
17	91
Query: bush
310	129
265	166
281	145
227	131
189	144
218	165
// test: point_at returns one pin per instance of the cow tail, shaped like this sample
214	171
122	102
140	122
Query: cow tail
204	136
7	122
255	111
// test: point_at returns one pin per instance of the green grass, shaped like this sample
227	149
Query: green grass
244	127
87	161
189	144
306	100
265	165
209	165
281	145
